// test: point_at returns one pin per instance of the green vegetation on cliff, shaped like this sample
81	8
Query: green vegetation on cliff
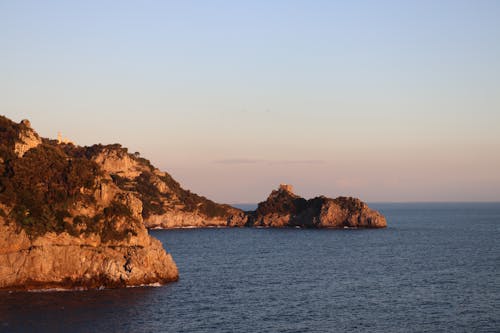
45	187
42	186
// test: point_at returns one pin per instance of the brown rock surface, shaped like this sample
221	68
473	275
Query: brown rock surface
74	216
27	138
283	208
165	204
64	222
64	261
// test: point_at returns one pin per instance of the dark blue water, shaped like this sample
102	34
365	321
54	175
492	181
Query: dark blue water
436	268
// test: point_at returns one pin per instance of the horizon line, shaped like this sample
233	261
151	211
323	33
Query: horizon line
393	202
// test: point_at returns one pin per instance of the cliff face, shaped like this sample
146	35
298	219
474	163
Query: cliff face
165	203
26	139
64	223
65	261
74	216
285	209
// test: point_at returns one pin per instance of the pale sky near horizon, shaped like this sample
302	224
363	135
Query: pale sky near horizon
382	100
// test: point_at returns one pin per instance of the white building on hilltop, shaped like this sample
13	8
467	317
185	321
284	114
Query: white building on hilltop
61	140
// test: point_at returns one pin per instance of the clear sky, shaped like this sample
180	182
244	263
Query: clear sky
383	100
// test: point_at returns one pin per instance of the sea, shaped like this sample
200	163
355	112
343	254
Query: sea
435	268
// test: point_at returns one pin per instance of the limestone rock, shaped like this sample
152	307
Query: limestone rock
63	261
185	219
283	208
27	139
74	216
165	204
65	223
116	161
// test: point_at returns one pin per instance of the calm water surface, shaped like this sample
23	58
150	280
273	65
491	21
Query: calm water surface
436	268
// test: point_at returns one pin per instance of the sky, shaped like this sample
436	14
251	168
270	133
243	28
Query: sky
381	100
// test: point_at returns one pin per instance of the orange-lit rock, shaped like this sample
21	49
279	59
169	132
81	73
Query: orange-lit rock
283	208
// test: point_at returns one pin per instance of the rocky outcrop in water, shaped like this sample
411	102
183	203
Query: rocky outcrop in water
283	208
167	205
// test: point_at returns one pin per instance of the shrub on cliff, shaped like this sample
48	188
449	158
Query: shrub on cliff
42	185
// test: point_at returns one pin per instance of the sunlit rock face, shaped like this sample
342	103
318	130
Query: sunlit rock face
64	223
64	261
27	138
283	208
76	217
165	204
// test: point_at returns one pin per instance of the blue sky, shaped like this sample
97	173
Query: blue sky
384	100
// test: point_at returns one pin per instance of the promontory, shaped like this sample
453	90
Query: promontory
64	223
77	217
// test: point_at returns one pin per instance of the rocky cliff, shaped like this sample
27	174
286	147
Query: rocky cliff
74	216
165	204
283	208
64	223
66	261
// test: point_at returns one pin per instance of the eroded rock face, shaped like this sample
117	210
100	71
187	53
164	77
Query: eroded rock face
349	212
74	216
117	161
67	262
183	219
65	223
26	140
165	204
285	209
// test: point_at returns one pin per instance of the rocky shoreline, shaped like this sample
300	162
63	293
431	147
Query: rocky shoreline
63	261
75	217
64	224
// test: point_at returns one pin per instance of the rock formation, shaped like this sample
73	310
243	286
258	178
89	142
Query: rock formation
285	209
26	139
64	223
62	260
165	203
74	216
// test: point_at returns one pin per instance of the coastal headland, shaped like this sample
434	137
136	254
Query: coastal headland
77	217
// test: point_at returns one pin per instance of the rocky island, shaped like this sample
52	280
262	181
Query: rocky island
76	217
283	208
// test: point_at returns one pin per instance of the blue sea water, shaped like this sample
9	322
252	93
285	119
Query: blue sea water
436	268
